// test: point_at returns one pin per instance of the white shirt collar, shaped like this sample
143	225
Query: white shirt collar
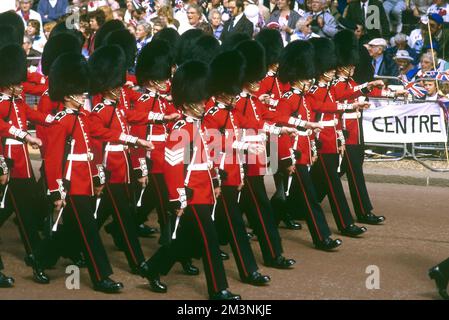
237	19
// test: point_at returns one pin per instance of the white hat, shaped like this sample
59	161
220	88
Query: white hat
252	13
377	42
403	54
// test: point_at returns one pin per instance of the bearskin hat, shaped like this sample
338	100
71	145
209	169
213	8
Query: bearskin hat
168	34
346	48
154	62
227	73
324	57
10	18
296	62
126	41
61	27
13	65
186	43
57	45
108	27
107	68
204	49
233	40
272	42
8	35
189	83
69	74
254	55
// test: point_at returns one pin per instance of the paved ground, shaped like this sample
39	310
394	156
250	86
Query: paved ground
414	238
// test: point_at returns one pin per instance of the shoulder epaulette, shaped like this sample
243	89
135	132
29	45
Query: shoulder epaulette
60	115
98	107
213	110
179	124
287	95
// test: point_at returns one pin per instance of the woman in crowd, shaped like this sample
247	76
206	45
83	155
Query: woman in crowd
216	23
286	18
143	34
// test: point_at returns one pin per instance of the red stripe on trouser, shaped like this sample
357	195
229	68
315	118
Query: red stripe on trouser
332	193
355	184
22	226
308	204
206	247
233	235
161	202
85	240
125	234
260	217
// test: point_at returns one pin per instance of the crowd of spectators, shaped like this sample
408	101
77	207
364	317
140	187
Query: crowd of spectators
402	38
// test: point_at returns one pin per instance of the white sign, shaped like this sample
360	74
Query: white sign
387	121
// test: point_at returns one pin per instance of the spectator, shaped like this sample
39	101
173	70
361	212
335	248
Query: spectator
415	39
323	23
441	64
238	23
165	13
273	6
129	11
52	10
33	31
286	18
400	43
382	64
432	90
143	34
441	8
131	29
393	10
419	7
27	14
303	30
426	64
215	22
33	56
264	11
358	11
96	20
404	62
158	25
439	34
215	5
118	15
48	27
194	16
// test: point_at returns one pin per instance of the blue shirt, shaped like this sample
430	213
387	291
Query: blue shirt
378	63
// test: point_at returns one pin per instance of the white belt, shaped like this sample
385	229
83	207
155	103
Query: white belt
306	133
329	123
115	147
10	141
80	157
157	138
257	138
199	166
352	115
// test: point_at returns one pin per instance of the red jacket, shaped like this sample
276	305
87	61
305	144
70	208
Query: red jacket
156	133
36	84
187	164
272	86
17	113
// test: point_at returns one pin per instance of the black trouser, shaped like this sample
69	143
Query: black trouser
117	200
279	200
155	196
19	199
327	183
303	190
257	206
353	167
80	227
230	225
195	237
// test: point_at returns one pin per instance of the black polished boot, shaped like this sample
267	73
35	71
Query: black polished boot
440	280
224	255
225	295
257	279
6	282
189	268
353	231
153	278
328	244
145	231
281	263
108	286
371	218
39	275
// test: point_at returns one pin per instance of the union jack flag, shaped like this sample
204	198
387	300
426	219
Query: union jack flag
415	89
437	75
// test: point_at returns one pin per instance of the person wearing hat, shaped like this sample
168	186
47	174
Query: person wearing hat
347	91
382	64
192	186
407	71
108	73
254	200
153	73
70	172
296	155
19	182
223	124
438	32
331	141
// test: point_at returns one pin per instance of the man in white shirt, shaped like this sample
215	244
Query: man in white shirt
27	14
